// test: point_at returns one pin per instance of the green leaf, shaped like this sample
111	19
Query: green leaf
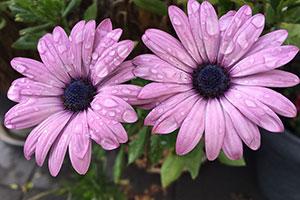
294	33
136	147
28	42
119	165
91	11
2	23
156	149
154	6
237	163
193	161
70	7
35	29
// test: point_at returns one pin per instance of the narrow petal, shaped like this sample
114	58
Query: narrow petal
172	120
76	38
232	145
149	104
165	106
111	59
23	88
214	129
229	26
153	90
264	60
273	78
169	49
210	30
50	128
151	67
255	111
81	165
118	130
99	131
50	58
88	43
31	112
114	108
243	40
194	8
270	40
191	129
102	29
225	21
247	131
274	100
182	27
35	70
121	74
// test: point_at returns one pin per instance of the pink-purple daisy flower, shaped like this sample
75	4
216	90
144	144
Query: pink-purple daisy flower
75	95
213	82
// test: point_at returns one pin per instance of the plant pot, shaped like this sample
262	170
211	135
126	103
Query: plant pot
277	165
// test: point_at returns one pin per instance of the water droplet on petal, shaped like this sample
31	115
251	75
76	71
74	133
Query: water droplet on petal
129	116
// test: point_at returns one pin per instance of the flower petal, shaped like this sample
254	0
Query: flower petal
214	129
114	108
110	59
31	112
247	131
23	88
50	128
35	70
228	31
255	111
264	60
81	165
182	27
194	19
169	49
232	145
274	100
210	30
88	44
191	129
165	106
225	21
243	40
172	120
270	40
102	29
153	90
151	67
273	78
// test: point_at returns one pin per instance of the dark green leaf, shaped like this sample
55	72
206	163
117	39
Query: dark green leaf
119	165
136	147
193	161
91	11
2	23
35	29
237	163
294	33
154	6
28	42
71	6
156	149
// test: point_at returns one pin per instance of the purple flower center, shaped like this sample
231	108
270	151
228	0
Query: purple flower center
78	95
211	81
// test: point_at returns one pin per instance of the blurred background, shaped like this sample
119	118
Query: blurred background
146	168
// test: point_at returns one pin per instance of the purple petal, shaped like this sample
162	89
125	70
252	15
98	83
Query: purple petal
229	26
182	27
210	30
243	40
264	60
23	88
194	19
118	130
153	90
247	131
102	29
191	129
270	40
225	21
88	43
214	129
50	128
255	111
111	59
114	108
232	145
169	49
172	119
36	71
149	104
31	112
81	165
273	78
151	67
274	100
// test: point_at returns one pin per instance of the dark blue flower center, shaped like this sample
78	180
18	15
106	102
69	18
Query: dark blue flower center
78	95
211	81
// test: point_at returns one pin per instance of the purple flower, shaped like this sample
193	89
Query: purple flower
214	79
74	95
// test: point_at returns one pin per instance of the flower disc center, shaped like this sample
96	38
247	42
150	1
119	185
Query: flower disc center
211	81
78	95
